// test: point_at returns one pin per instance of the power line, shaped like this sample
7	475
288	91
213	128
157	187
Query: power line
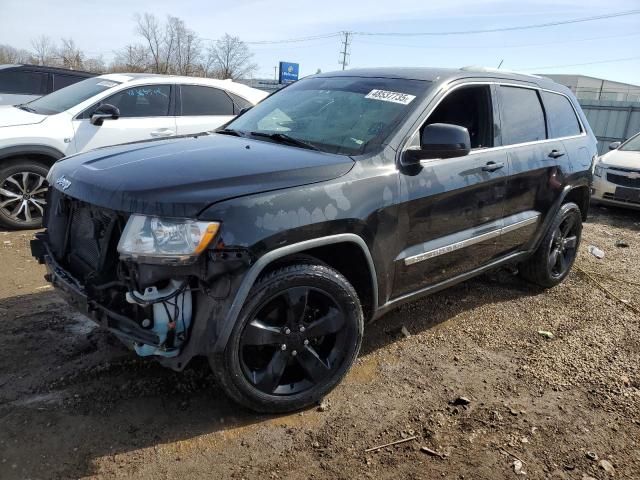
459	32
455	47
581	64
293	40
503	29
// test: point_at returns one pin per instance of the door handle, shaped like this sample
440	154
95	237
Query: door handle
492	166
555	153
163	132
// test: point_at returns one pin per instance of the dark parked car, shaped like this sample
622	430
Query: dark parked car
23	83
269	245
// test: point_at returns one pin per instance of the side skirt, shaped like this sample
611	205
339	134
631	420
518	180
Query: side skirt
409	297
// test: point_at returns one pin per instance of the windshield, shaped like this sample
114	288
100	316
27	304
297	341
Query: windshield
345	115
631	145
67	97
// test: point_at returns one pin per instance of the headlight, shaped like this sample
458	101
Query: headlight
165	240
597	171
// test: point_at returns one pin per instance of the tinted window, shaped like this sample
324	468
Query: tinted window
146	101
560	115
471	108
61	81
344	115
28	83
522	115
71	96
197	100
239	103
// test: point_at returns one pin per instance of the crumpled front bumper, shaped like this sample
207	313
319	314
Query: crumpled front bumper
75	294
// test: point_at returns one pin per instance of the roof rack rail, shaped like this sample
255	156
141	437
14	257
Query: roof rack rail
480	68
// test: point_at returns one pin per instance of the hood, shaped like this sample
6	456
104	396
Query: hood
621	159
11	116
181	177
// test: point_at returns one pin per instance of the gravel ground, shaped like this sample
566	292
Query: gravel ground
475	383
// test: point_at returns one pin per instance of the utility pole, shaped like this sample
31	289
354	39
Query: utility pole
275	72
344	61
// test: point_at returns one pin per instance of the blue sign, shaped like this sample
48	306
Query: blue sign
288	72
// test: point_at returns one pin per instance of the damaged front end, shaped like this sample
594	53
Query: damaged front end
160	285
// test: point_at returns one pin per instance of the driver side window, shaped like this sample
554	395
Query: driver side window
469	107
143	101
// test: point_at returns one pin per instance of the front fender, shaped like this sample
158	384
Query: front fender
250	277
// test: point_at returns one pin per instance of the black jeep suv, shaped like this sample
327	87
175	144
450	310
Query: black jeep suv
269	244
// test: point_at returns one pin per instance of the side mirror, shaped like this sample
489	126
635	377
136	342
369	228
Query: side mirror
614	145
244	110
104	112
439	140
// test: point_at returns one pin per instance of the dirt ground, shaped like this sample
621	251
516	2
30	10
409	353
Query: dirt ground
76	404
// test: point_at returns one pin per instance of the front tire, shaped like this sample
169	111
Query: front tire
552	261
23	188
296	337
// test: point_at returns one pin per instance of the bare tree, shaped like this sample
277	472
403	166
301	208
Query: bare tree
231	58
132	58
169	47
44	50
70	55
94	65
9	54
160	39
187	48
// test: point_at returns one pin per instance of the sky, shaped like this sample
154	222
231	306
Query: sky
604	48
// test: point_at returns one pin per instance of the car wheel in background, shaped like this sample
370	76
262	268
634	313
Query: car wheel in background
23	189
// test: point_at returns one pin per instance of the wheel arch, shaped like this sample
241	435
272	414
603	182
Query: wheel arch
581	196
40	153
317	248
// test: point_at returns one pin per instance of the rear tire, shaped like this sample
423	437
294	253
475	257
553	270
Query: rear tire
23	188
296	337
552	261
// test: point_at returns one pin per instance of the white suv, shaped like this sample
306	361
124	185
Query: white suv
97	112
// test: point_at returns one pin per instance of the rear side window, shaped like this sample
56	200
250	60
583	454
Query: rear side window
560	115
23	82
239	103
61	81
522	115
147	101
199	100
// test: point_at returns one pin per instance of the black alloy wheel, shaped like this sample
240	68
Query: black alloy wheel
294	342
552	261
562	248
298	333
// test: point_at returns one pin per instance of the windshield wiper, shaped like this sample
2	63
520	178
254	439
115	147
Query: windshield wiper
22	106
230	131
286	139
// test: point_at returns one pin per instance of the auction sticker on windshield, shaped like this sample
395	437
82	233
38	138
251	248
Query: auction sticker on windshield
386	96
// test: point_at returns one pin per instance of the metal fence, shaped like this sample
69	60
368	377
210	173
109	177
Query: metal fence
611	121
